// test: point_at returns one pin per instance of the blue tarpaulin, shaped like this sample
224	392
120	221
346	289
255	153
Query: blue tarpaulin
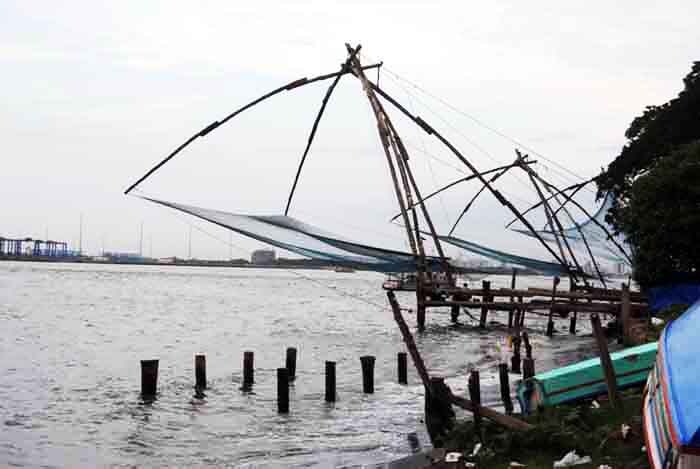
667	295
679	346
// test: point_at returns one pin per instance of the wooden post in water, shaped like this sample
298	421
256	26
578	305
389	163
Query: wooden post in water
402	362
454	313
515	360
485	298
149	379
474	386
200	372
528	368
282	390
367	362
528	347
505	388
572	323
605	361
420	315
625	314
291	363
510	311
248	376
330	381
550	323
522	312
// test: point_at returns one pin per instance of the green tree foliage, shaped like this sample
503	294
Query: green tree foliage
652	137
661	218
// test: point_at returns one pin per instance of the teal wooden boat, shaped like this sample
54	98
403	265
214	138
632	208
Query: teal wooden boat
585	379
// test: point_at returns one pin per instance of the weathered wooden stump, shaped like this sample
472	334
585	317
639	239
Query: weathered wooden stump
474	386
291	363
330	381
200	371
439	415
505	388
572	323
528	368
367	363
515	359
526	343
149	379
486	286
402	364
248	370
282	390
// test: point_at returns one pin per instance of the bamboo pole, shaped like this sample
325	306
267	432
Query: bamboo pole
314	127
289	86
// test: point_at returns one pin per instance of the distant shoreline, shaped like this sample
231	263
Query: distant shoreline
302	264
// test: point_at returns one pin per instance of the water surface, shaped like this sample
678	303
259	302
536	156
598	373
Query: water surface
73	336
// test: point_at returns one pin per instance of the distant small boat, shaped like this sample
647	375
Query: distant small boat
585	379
342	268
672	396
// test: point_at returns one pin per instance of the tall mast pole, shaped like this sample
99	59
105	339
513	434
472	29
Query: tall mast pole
384	138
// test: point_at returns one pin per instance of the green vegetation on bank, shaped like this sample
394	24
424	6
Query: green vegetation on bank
594	432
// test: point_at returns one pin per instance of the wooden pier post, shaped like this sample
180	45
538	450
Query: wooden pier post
528	368
505	388
474	385
510	311
291	363
526	343
454	313
367	362
522	312
330	381
439	416
248	374
550	322
200	372
486	297
605	361
515	360
420	315
572	323
282	390
149	379
402	363
625	314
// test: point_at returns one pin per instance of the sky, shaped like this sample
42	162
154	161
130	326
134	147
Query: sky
95	93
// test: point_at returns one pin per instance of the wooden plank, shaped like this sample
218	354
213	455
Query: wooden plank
497	417
606	362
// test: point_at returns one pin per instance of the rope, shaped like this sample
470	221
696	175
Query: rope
484	125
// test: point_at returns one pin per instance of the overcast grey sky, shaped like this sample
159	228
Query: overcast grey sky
94	93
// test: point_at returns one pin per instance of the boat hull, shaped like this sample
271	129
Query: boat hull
585	379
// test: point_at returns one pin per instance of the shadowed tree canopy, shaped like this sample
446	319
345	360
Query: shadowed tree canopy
653	136
662	219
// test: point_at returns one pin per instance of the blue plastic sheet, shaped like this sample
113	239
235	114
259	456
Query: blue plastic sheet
674	294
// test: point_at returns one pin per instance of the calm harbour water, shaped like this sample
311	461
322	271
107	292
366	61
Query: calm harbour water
73	336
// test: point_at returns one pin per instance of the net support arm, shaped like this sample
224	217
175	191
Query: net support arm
214	125
343	69
430	131
575	187
476	196
458	181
